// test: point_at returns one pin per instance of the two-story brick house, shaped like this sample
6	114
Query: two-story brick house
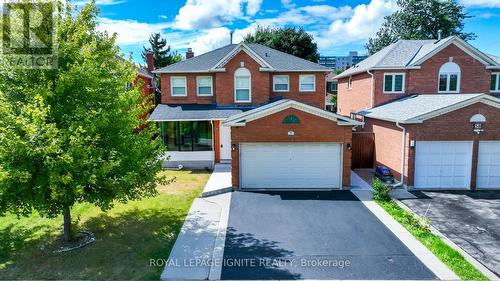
430	106
258	108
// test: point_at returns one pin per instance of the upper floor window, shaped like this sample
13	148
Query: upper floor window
349	83
204	85
307	83
495	82
449	78
242	82
394	83
178	86
281	83
334	87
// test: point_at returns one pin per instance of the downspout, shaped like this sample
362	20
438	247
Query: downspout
372	86
403	147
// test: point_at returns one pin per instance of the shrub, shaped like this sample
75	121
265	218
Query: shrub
380	190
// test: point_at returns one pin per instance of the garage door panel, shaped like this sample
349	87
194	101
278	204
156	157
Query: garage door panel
488	168
443	164
290	165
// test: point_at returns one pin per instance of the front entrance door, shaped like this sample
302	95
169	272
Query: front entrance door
225	143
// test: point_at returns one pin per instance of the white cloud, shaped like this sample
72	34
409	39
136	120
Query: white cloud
211	39
101	2
326	11
481	3
206	14
130	32
364	23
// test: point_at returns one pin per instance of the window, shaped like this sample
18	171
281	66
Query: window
291	119
307	83
178	86
495	82
281	83
334	87
349	83
204	86
449	78
394	83
242	82
187	135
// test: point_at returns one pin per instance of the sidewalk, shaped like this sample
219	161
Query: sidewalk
201	239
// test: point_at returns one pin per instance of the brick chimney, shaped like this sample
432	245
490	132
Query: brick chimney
150	60
189	53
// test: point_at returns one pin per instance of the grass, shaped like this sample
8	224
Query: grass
128	236
449	256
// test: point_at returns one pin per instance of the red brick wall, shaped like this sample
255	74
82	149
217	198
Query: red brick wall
261	89
357	98
225	81
191	89
316	98
453	126
311	129
475	78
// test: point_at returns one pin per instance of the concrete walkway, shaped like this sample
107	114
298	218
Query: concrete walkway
219	182
200	244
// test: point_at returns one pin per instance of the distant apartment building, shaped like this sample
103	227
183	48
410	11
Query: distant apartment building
341	62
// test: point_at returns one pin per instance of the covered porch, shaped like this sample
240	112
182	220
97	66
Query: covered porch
193	135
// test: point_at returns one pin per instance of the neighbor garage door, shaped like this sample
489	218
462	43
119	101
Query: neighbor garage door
443	164
291	165
488	164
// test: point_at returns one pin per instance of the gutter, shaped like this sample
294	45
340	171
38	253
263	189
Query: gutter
372	86
403	146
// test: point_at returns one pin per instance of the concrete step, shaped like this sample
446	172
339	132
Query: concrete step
209	193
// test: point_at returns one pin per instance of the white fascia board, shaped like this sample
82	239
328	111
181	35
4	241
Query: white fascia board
190	71
462	45
241	47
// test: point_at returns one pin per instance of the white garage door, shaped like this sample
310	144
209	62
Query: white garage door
291	165
443	164
488	165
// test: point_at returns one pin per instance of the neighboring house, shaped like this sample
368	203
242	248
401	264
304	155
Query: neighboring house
331	92
430	106
341	62
260	109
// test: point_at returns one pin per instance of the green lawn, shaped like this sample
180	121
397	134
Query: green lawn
128	236
453	259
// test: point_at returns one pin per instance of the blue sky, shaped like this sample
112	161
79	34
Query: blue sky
338	26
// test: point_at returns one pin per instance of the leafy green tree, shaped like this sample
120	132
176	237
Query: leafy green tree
291	40
421	19
66	134
161	52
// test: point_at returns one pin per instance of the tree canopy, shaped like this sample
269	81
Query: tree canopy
161	51
66	134
291	40
421	19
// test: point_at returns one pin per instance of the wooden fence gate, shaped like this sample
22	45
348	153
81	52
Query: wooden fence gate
363	150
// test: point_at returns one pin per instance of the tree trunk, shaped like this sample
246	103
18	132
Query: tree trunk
67	224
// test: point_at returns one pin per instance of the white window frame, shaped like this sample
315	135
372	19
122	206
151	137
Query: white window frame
336	86
172	86
393	90
198	86
287	83
497	88
448	80
249	86
300	83
349	83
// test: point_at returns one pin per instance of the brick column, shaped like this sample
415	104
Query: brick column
216	137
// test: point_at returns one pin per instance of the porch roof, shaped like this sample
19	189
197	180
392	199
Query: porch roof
192	112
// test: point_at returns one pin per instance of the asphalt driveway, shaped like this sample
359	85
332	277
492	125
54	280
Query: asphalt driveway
470	219
312	235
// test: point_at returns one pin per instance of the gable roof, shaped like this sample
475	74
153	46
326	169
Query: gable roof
266	110
418	108
408	54
269	59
